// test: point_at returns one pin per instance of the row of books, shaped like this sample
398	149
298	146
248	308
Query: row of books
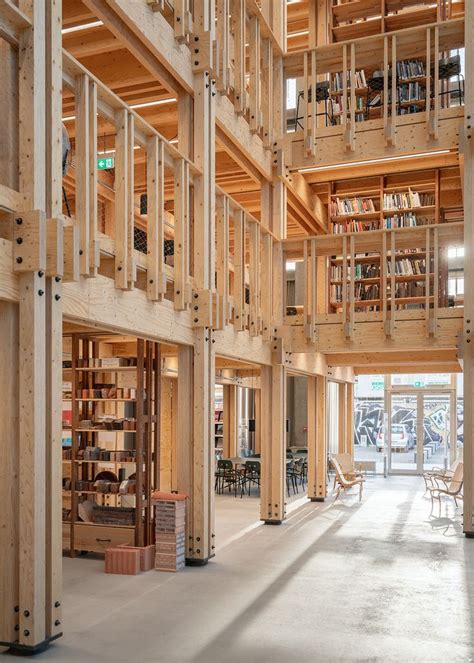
353	226
413	289
358	205
411	92
362	271
397	201
405	220
410	69
336	104
338	79
407	266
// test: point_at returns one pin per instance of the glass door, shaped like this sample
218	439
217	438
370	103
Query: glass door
437	408
403	430
422	431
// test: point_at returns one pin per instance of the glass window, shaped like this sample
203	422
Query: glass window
291	94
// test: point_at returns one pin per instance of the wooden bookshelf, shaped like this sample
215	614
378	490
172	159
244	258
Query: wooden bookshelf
373	193
352	19
129	456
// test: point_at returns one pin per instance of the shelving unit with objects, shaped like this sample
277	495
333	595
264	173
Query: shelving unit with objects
111	464
351	19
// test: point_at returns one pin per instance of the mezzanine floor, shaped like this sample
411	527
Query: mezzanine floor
379	581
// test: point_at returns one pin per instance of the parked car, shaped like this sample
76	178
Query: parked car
402	438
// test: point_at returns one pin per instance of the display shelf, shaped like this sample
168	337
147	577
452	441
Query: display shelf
143	376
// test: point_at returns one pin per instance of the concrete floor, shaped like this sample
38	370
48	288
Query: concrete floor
379	581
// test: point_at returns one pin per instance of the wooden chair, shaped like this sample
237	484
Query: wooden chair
438	473
344	482
347	466
449	486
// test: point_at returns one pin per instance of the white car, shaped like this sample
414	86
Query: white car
402	438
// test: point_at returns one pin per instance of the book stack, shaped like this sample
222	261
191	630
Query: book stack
407	69
346	206
407	266
353	226
170	515
407	200
338	80
405	220
411	92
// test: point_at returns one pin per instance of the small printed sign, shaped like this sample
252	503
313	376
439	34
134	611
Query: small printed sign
105	163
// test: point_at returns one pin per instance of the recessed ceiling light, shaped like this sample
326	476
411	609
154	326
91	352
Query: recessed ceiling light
84	26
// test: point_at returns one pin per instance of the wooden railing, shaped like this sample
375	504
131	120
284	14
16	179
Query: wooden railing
239	51
248	269
133	140
377	57
336	287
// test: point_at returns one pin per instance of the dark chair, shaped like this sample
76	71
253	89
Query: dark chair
250	475
451	68
291	477
322	95
226	476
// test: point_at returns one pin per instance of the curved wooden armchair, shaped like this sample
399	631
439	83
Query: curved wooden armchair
346	482
448	486
440	473
347	466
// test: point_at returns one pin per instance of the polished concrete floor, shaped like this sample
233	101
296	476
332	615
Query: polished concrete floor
376	581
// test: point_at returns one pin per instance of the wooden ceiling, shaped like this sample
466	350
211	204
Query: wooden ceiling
103	53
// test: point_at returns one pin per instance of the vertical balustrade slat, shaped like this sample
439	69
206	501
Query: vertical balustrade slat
156	279
307	286
181	232
121	198
254	64
314	104
94	246
222	82
314	288
383	278
435	129
427	275
131	261
350	140
392	283
82	171
428	80
239	270
344	85
344	280
266	285
385	86
306	104
393	119
254	277
267	92
352	287
222	257
238	22
434	324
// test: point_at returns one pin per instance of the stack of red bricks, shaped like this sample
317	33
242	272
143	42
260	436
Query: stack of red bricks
170	514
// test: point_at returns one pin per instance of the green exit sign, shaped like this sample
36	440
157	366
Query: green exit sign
105	163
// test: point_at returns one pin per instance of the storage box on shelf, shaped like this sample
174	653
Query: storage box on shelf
109	468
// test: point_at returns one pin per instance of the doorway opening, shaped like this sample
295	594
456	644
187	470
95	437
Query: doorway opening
408	423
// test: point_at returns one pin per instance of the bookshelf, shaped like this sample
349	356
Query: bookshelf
409	280
351	19
110	444
410	90
384	202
